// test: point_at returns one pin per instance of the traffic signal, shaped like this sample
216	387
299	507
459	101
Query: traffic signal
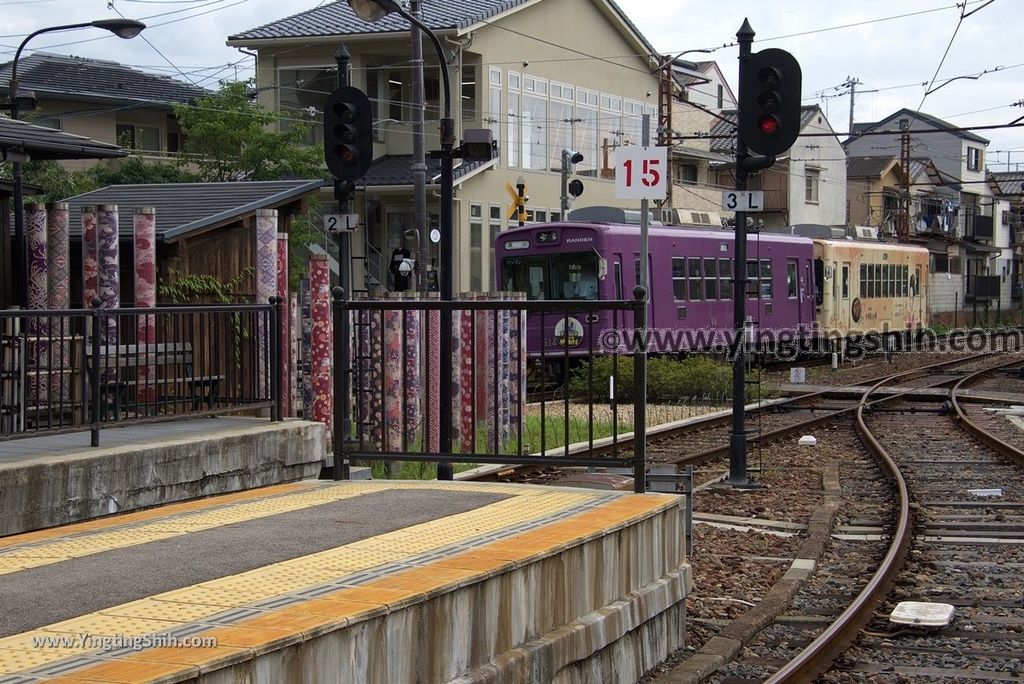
769	102
575	188
348	139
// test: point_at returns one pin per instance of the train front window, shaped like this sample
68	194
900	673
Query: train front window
555	276
526	274
574	276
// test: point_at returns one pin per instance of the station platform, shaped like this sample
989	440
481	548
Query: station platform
354	581
57	479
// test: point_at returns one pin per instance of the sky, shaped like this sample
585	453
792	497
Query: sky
897	51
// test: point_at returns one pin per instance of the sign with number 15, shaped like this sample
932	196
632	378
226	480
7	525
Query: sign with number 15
641	172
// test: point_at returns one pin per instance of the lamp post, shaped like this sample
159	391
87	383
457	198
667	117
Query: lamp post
122	28
373	10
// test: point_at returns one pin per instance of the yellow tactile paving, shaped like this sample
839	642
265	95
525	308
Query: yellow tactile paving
33	550
331	611
140	516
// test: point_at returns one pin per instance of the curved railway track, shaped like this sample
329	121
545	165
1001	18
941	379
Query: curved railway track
961	547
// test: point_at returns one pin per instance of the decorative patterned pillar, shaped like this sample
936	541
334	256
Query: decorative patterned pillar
321	343
504	372
90	258
373	384
109	268
434	382
37	299
58	274
517	367
144	221
286	327
467	389
266	287
412	381
293	350
307	335
393	371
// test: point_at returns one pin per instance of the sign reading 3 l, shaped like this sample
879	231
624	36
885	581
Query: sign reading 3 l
743	200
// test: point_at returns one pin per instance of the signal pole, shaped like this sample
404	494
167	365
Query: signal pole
738	435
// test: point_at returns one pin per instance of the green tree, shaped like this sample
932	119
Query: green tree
137	171
227	137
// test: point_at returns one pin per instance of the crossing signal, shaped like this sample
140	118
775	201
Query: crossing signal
769	107
348	139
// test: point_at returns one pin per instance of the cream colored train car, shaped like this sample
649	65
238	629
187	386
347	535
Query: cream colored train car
864	286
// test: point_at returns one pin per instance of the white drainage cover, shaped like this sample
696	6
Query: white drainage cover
922	614
807	440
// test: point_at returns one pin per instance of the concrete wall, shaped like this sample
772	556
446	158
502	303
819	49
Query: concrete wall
55	490
945	292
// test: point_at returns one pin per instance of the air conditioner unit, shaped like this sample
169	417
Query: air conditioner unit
865	232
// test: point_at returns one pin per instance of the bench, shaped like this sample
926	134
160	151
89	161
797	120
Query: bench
172	369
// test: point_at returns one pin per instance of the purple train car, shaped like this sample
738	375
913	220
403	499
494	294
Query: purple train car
691	272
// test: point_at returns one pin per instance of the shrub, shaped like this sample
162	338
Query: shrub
668	379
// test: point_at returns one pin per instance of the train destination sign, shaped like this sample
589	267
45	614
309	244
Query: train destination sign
641	172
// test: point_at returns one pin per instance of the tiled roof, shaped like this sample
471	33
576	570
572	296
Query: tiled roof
727	144
396	169
867	167
337	18
78	78
1009	182
48	143
928	119
183	208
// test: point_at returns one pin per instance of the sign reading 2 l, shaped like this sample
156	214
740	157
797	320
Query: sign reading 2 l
641	173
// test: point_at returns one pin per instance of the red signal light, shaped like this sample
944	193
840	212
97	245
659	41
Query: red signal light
768	124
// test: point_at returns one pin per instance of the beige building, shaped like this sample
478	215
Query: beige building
542	76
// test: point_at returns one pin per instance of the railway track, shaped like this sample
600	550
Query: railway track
947	548
963	551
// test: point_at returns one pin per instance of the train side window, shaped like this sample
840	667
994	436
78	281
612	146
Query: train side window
863	281
679	278
618	281
710	279
766	279
819	282
878	280
846	281
752	280
917	281
886	291
791	279
725	278
693	270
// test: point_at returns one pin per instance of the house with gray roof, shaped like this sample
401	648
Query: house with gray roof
542	75
807	184
103	100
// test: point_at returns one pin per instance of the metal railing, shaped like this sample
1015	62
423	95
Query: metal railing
79	370
388	370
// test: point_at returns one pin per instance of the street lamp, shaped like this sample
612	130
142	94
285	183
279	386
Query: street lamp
373	10
122	28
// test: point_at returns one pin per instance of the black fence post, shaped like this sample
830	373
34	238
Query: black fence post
342	418
640	390
275	358
95	373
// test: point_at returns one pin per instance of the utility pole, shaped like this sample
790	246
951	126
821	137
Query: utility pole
419	165
852	84
903	217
